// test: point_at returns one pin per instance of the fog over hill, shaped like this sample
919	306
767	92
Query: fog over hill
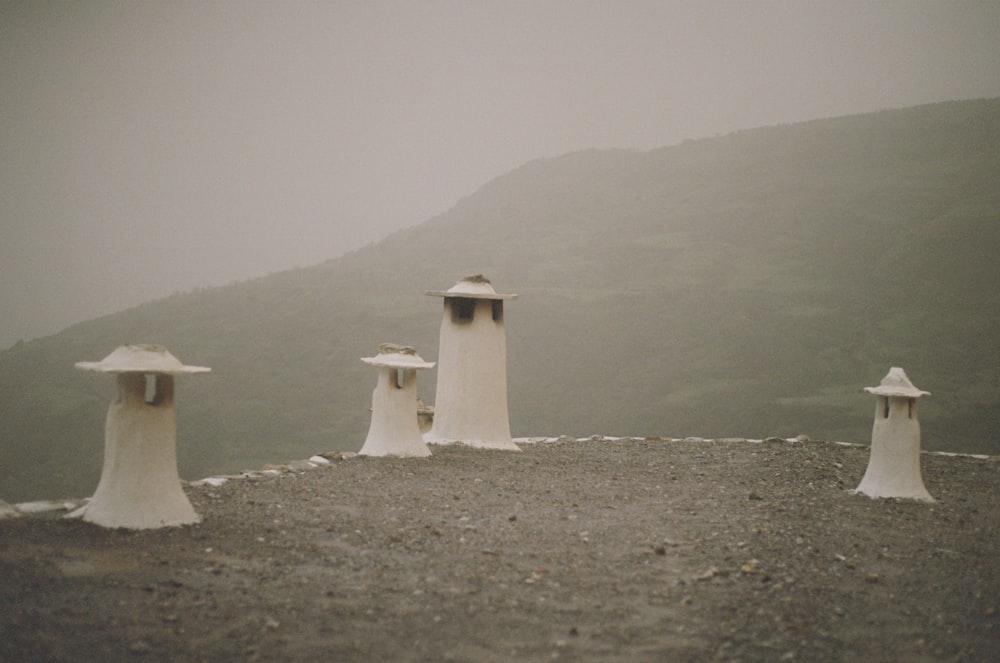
746	285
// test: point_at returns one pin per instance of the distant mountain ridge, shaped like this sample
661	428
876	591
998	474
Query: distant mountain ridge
745	285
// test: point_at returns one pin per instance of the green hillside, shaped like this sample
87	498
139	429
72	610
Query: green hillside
746	285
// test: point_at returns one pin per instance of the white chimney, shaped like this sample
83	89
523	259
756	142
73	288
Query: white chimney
471	402
394	429
894	464
139	486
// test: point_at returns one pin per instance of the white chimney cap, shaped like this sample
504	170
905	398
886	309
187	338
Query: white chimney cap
140	359
391	355
895	383
471	287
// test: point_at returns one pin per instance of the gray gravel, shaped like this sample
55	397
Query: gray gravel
632	550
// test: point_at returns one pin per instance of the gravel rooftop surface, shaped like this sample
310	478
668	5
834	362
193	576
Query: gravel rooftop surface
594	550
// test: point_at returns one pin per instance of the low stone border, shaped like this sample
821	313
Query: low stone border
800	439
73	505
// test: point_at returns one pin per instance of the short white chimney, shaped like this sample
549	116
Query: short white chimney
471	402
894	464
395	429
139	486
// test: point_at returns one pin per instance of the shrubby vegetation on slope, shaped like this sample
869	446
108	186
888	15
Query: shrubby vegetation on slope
746	285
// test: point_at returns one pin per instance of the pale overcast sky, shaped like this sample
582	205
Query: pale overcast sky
152	147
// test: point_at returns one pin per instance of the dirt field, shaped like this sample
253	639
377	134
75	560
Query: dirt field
631	550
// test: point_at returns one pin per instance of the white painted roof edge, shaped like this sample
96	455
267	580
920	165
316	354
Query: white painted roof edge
314	462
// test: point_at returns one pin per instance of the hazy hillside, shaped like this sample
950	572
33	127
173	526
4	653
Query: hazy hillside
744	285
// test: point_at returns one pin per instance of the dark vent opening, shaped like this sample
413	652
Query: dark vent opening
462	309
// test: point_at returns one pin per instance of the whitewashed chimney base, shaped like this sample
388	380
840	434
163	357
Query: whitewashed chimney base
139	486
470	406
894	465
394	428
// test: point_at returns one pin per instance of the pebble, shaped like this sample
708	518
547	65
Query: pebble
139	648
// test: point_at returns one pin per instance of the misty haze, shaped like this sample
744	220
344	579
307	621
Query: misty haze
151	149
723	221
744	284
